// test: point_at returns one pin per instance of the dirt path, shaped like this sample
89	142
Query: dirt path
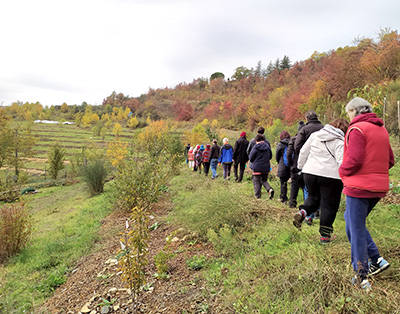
96	277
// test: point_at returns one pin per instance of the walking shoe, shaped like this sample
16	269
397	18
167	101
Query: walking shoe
271	193
326	240
309	220
364	284
381	265
298	218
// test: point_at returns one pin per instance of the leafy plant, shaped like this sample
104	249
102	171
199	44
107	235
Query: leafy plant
160	260
133	253
196	262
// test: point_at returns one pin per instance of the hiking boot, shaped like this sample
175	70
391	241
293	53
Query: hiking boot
364	284
326	240
381	265
298	218
271	193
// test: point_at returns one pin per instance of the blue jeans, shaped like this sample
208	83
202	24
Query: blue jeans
362	245
214	164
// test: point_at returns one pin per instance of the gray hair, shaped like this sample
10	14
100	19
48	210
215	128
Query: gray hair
225	140
311	114
359	106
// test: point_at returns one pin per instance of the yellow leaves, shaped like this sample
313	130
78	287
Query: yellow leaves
133	122
214	124
117	129
116	152
89	118
205	122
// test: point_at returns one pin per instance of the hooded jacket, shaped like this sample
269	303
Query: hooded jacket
367	159
260	157
322	153
313	125
226	155
240	150
283	170
207	153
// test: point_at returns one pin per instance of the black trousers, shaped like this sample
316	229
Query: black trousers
206	167
283	195
297	182
323	193
239	177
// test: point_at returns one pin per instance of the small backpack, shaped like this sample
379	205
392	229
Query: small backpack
285	159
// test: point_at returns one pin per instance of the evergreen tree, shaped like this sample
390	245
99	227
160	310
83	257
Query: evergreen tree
56	160
285	63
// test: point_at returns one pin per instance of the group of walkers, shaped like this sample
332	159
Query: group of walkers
324	161
257	151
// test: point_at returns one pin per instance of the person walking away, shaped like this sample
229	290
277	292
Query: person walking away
206	159
199	158
195	150
240	156
260	130
186	152
319	160
367	159
191	157
283	164
296	180
214	156
260	156
312	125
226	158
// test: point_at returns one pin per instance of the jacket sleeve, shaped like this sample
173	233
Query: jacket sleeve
279	152
304	152
235	151
220	155
252	155
339	152
248	150
355	153
290	151
300	140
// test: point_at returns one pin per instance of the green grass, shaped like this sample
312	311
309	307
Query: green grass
66	227
265	265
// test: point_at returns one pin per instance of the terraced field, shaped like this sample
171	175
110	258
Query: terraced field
71	137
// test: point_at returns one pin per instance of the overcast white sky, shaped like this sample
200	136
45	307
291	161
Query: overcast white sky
56	51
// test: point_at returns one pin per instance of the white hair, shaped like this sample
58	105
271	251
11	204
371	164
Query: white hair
225	140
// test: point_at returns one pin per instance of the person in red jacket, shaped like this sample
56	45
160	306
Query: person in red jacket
206	159
367	159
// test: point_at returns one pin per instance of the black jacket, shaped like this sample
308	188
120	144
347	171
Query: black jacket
215	150
260	157
283	170
240	150
313	125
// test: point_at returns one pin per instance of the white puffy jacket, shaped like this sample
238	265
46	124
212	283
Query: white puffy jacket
322	153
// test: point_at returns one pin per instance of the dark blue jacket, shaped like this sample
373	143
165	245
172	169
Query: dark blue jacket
260	157
226	154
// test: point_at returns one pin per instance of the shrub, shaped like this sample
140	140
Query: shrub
15	229
56	160
94	174
196	262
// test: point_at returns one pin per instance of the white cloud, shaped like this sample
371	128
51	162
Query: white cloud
82	50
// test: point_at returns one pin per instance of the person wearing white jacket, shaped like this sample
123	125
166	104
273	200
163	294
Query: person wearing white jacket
319	161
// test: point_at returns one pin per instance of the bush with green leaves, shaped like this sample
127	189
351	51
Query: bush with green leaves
95	174
15	229
55	158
